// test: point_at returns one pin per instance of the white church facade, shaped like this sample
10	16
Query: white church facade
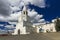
24	25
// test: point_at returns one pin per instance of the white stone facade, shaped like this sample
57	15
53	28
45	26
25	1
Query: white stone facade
46	28
49	27
24	24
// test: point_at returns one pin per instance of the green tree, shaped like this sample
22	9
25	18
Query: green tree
57	24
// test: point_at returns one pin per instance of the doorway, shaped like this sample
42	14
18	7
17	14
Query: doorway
19	32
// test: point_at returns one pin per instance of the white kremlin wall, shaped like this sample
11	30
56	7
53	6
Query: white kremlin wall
50	27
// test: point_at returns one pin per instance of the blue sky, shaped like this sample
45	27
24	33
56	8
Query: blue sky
51	11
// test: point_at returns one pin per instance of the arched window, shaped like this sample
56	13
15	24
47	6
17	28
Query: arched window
25	12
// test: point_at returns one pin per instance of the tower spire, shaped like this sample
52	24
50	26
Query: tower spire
25	12
24	8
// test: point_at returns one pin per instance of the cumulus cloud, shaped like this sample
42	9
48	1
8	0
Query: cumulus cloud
9	26
16	5
35	17
3	31
1	25
4	8
15	8
39	3
12	17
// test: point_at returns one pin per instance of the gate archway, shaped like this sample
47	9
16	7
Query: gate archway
19	32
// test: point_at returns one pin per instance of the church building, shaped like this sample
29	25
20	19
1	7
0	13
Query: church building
24	25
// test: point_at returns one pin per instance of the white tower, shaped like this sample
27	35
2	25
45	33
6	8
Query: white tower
23	23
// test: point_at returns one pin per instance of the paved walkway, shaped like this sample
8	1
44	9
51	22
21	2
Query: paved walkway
41	36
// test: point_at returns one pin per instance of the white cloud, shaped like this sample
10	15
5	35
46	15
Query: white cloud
38	16
2	18
17	5
9	26
5	9
32	13
14	2
39	3
35	17
20	3
12	17
1	25
3	31
13	23
15	8
41	20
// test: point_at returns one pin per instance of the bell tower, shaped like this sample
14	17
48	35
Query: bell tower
25	13
23	25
